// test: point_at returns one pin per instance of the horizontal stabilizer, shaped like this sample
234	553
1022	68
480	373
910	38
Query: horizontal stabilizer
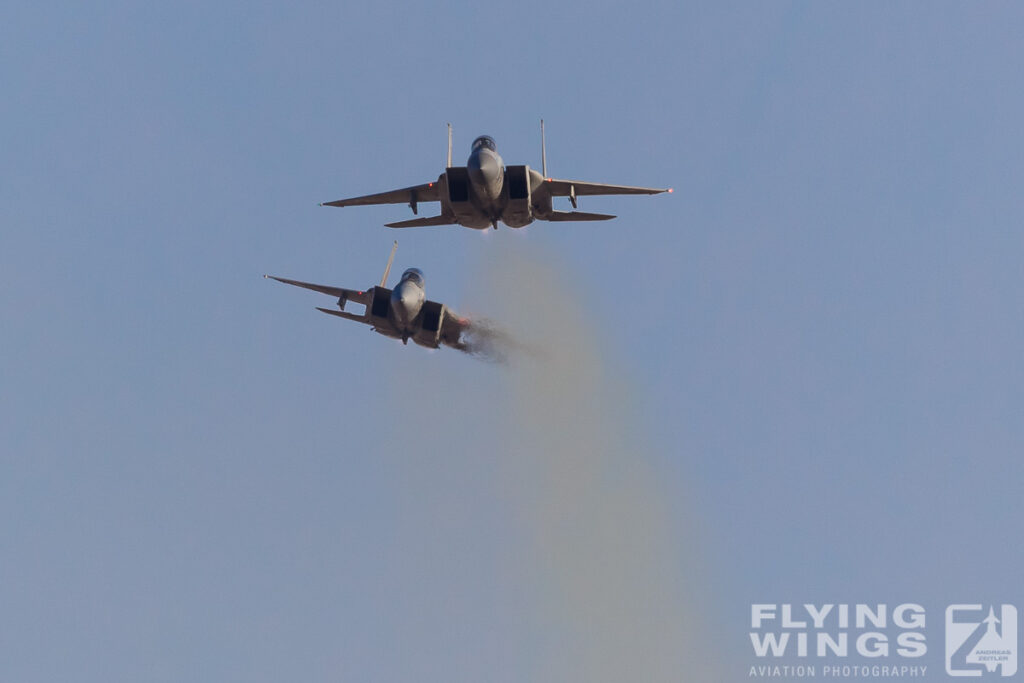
343	314
578	216
422	222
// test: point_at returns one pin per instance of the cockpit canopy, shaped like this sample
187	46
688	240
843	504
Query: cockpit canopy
413	274
485	141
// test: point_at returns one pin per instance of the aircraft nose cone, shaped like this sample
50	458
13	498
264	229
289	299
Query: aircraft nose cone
405	302
483	166
485	173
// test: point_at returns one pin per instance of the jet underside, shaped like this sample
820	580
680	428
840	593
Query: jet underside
485	191
515	205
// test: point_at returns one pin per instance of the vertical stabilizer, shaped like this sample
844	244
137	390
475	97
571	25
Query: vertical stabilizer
449	165
543	152
387	271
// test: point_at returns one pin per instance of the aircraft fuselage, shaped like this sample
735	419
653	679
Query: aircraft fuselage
407	300
487	176
485	191
493	192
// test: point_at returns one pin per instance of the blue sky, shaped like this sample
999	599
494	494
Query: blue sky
810	352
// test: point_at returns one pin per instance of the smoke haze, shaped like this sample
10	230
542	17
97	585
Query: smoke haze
540	542
605	553
486	340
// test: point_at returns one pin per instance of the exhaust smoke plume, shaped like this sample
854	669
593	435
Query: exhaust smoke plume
486	340
610	575
539	526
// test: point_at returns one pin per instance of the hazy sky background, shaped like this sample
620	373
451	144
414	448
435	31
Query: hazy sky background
807	360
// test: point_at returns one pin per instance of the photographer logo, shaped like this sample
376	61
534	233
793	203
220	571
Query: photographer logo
981	640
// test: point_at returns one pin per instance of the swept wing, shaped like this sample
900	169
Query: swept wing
358	296
427	192
579	188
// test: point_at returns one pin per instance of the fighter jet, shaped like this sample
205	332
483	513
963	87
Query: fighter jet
485	191
401	313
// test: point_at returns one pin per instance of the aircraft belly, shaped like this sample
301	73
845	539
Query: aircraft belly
426	344
477	221
515	220
487	195
388	332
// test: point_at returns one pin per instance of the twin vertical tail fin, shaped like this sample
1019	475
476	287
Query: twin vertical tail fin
387	271
543	152
449	146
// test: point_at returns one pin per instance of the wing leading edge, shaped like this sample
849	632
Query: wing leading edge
579	188
358	296
427	192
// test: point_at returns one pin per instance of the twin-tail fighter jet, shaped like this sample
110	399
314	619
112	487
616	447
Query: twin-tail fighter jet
401	313
485	191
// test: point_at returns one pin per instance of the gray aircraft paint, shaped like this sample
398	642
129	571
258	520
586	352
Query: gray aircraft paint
485	191
401	313
407	300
